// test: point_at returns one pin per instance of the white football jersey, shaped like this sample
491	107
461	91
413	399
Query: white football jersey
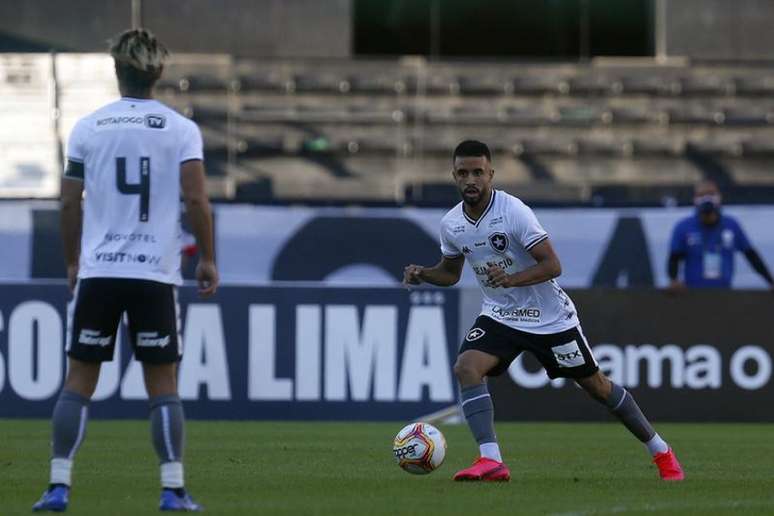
131	151
503	235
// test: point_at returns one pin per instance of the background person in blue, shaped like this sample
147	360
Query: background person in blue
706	242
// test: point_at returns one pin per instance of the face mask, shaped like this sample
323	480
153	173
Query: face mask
707	203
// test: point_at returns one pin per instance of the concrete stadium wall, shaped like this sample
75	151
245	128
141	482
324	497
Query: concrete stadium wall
243	28
719	29
707	29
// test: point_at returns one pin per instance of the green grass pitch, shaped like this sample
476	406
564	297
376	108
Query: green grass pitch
339	469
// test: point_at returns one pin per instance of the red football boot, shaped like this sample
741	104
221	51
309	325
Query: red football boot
486	470
668	466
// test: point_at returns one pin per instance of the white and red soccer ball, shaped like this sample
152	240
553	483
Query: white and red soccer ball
419	448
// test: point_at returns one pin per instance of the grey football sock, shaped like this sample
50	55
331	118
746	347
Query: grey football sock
69	421
622	405
167	431
168	435
479	412
69	428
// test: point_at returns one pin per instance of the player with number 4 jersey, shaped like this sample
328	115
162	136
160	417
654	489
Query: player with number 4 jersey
524	309
128	164
132	149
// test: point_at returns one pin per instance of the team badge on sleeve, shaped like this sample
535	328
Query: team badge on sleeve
475	334
499	242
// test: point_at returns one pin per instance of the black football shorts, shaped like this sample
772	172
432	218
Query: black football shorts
563	355
95	311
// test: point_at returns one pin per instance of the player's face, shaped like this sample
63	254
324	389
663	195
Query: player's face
473	176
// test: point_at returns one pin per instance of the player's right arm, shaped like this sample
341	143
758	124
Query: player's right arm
71	199
199	212
71	217
445	273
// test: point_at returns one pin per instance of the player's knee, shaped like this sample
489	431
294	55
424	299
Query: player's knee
81	386
160	379
597	395
82	377
597	386
466	372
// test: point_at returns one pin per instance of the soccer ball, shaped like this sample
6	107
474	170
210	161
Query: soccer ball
419	448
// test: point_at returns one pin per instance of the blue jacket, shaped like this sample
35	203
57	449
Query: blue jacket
708	250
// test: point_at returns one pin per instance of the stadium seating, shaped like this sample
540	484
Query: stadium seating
630	128
29	161
379	130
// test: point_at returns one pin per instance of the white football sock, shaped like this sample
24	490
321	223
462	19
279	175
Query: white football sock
61	471
490	451
657	445
172	475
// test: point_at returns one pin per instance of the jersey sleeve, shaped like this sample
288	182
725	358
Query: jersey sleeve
741	242
448	247
76	151
192	148
525	228
677	245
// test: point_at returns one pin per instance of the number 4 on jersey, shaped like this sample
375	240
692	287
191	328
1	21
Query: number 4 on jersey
142	188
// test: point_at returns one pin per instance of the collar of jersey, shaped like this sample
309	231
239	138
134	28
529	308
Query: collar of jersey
133	99
481	217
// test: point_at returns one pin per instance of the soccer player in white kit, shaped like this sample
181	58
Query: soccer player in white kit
524	309
133	158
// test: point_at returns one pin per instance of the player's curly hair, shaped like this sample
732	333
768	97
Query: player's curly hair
139	58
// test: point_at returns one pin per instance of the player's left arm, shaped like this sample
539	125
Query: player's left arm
547	267
194	188
71	218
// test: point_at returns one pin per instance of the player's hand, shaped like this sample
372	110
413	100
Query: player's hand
498	277
412	275
72	276
676	287
207	277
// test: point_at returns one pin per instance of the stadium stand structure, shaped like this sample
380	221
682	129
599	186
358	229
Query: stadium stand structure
608	132
29	161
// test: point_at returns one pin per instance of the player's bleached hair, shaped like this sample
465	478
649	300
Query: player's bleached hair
139	49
